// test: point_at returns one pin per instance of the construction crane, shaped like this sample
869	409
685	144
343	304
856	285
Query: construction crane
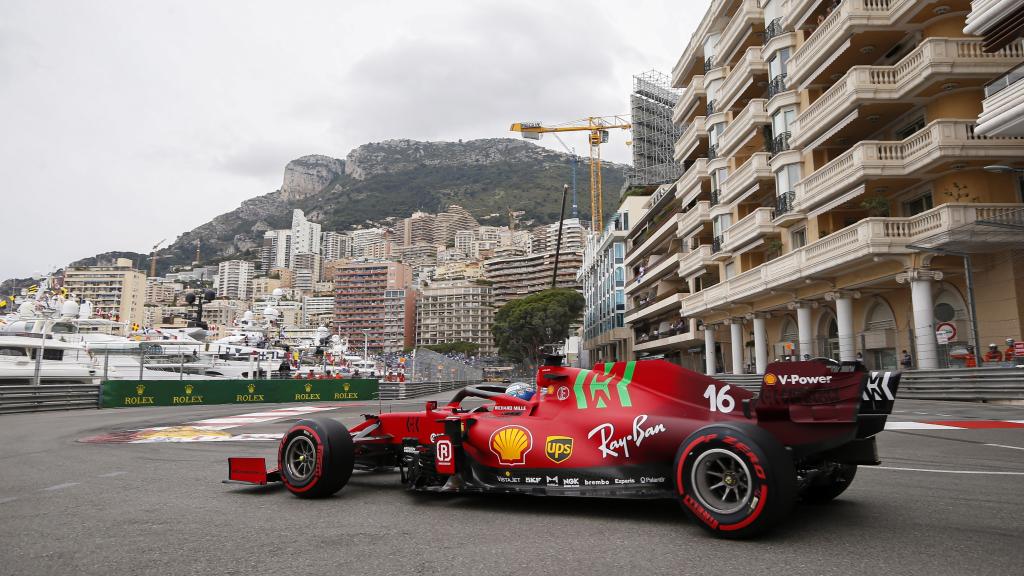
598	127
575	162
152	258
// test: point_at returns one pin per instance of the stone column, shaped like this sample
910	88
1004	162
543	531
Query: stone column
804	326
709	349
844	320
760	342
736	335
925	345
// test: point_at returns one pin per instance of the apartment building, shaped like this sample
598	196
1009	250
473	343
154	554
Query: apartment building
519	276
317	311
335	245
605	336
116	291
399	320
359	305
306	266
276	251
832	169
234	279
456	311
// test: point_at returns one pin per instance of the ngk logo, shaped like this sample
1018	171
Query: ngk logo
795	379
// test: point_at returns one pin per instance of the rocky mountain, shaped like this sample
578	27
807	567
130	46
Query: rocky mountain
393	179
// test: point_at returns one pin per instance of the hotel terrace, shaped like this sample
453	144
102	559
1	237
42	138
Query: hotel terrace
833	182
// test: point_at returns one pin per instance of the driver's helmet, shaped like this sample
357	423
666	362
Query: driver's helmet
520	390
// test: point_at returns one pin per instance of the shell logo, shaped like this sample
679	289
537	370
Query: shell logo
510	444
770	379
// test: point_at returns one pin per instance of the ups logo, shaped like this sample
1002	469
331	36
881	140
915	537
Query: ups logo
593	389
558	449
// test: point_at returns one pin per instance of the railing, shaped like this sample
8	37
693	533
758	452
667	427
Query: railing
747	227
739	130
744	177
784	203
694	259
749	65
688	139
20	398
403	390
1005	81
710	108
780	143
777	85
773	29
691	218
716	243
709	63
712	152
716	196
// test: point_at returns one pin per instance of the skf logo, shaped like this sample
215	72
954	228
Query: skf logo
770	379
308	387
510	444
558	449
251	388
140	389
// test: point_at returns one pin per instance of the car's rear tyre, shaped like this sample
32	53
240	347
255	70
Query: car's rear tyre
735	479
828	488
316	457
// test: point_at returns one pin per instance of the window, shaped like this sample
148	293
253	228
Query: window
798	238
908	130
620	252
918	205
714	133
620	277
786	178
11	351
717	177
730	270
777	63
720	223
49	354
782	120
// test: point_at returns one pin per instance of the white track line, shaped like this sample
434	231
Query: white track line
991	472
60	486
6	500
225	422
111	474
917	426
1005	446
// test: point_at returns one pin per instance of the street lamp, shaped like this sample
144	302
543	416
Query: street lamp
366	343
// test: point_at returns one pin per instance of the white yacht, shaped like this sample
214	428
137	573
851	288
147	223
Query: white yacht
23	359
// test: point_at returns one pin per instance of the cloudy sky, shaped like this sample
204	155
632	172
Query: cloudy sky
127	122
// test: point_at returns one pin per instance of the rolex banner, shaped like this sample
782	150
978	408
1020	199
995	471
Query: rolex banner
121	393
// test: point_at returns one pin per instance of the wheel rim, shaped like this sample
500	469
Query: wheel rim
300	458
721	481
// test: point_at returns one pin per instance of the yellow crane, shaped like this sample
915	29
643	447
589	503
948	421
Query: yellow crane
598	127
152	258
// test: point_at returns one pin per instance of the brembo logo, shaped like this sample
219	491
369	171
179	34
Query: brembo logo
795	379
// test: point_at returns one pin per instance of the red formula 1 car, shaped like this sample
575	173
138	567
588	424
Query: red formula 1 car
736	462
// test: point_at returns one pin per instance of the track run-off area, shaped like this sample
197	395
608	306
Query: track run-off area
138	491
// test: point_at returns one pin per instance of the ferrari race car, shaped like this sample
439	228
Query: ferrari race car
735	461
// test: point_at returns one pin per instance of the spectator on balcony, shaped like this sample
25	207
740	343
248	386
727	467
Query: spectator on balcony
906	361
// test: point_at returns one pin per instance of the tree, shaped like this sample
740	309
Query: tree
522	326
460	347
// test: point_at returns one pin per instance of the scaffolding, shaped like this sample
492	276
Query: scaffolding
654	134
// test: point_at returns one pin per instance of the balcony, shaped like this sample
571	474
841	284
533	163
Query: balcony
673	340
743	127
1003	108
933	60
660	305
655	272
745	177
779	143
692	94
841	252
742	79
754	225
850	17
662	230
689	186
712	152
777	85
748	18
695	261
690	139
938	142
716	196
710	108
716	243
693	219
709	63
773	29
785	209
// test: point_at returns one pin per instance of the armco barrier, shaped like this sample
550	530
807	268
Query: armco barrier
127	393
403	390
48	397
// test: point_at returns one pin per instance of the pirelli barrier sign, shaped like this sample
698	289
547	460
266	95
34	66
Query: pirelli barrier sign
124	393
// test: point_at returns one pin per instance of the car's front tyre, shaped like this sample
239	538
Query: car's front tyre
735	479
316	457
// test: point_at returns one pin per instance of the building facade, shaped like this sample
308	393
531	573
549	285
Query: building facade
456	311
234	279
519	276
117	291
831	163
359	306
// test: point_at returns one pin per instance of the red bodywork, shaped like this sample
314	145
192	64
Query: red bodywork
615	430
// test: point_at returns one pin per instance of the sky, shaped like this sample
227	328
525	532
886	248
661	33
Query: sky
124	123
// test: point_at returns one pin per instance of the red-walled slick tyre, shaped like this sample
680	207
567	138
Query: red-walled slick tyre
735	479
316	457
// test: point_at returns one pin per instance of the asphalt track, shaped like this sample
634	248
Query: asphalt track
948	501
